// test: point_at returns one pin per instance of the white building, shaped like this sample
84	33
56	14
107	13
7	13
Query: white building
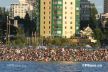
69	18
22	1
32	2
88	32
20	9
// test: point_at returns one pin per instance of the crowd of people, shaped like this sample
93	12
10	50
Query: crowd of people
52	54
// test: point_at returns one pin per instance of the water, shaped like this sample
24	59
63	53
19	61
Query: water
53	67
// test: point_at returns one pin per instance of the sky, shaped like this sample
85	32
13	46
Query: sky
98	3
6	3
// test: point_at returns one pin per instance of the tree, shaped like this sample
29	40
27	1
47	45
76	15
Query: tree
3	20
98	35
20	38
93	13
47	41
56	41
27	25
84	23
36	16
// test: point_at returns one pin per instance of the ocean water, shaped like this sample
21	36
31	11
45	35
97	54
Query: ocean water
53	67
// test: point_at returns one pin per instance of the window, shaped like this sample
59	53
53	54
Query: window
55	2
44	22
54	17
44	7
49	22
44	32
55	8
44	3
44	13
65	17
65	27
44	17
58	12
59	7
65	2
71	27
44	27
60	17
71	22
15	11
59	22
70	17
49	27
71	3
59	2
55	27
65	12
65	7
58	32
55	12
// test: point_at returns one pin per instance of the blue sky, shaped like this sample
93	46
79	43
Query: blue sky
6	3
99	3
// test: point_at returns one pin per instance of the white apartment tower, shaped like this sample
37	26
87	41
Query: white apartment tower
69	18
20	9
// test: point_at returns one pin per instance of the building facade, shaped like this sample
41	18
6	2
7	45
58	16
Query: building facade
22	1
32	2
45	18
20	9
85	7
59	18
105	6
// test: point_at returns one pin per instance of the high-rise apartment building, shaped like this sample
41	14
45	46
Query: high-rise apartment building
32	2
22	1
20	9
85	7
45	18
59	18
105	6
